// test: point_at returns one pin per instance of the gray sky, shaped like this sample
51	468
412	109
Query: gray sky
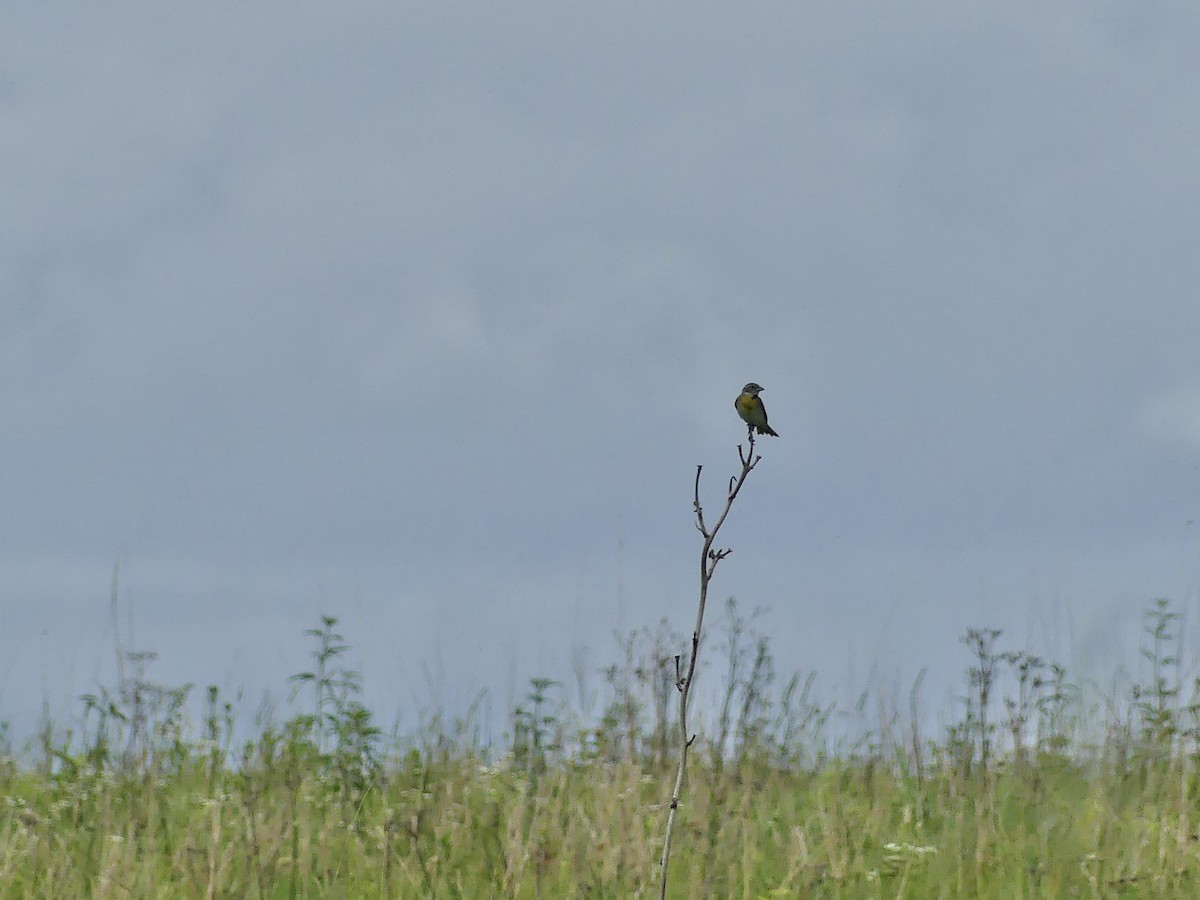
424	314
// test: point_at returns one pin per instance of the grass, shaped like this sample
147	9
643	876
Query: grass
1014	801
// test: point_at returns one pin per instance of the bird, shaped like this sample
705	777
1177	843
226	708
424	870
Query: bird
752	411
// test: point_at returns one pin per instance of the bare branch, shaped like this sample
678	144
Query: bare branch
708	564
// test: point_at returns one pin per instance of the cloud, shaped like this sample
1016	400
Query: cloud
1174	416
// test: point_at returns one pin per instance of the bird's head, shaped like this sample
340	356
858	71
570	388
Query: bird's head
752	389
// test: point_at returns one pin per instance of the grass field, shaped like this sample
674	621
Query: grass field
1033	793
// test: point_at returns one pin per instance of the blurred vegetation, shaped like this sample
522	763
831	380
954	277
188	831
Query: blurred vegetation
1033	792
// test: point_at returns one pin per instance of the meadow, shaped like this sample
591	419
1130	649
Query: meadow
1035	791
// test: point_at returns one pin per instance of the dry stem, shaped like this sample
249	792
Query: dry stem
708	564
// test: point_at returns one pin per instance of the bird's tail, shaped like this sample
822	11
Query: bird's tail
767	429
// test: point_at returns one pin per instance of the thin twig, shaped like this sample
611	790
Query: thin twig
708	564
116	628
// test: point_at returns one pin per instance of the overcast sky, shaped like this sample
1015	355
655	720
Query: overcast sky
423	315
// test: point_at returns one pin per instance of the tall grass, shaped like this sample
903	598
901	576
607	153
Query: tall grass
1033	792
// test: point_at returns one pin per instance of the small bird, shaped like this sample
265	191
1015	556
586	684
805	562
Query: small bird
752	411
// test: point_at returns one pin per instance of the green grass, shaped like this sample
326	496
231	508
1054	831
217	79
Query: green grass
322	805
459	829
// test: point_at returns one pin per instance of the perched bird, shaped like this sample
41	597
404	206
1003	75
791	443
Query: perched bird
752	411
